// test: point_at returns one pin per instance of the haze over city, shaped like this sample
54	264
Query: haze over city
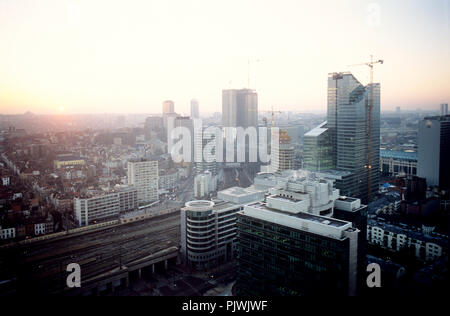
252	151
121	57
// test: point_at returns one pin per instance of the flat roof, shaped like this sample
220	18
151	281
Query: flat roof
68	158
302	215
222	205
314	224
347	199
397	154
318	130
238	191
407	230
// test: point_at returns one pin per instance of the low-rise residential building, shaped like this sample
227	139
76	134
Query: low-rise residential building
395	162
426	246
7	233
68	160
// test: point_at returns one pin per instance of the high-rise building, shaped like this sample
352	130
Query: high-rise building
168	112
444	109
282	153
318	149
205	155
168	107
355	144
304	239
434	151
153	124
195	112
294	253
204	184
143	175
188	123
239	108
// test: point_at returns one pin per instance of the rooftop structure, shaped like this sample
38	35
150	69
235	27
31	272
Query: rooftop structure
397	154
240	195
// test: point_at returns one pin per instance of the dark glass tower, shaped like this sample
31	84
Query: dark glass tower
281	253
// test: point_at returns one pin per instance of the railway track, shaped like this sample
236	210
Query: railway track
97	252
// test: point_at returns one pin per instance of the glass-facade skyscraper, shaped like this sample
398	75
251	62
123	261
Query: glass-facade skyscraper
318	149
355	138
349	141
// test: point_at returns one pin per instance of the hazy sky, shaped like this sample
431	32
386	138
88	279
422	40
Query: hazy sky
89	56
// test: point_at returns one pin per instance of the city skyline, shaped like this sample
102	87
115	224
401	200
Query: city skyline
58	58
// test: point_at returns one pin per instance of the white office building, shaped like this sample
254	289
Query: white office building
208	233
90	210
204	184
143	175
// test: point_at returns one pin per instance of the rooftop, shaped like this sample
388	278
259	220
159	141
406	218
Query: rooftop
329	221
320	225
397	154
411	232
316	131
68	158
238	191
438	118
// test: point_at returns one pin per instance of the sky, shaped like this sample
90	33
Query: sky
95	56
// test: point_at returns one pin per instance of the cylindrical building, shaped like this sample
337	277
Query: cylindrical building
208	233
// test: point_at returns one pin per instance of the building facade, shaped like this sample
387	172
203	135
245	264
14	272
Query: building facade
98	208
401	163
282	253
239	108
208	233
356	144
434	137
68	160
204	184
143	175
282	153
425	246
195	112
318	149
168	107
304	239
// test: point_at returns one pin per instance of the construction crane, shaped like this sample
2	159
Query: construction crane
273	116
369	165
272	113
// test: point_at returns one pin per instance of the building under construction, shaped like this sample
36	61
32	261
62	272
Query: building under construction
353	134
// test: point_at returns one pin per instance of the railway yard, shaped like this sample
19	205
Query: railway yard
42	265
